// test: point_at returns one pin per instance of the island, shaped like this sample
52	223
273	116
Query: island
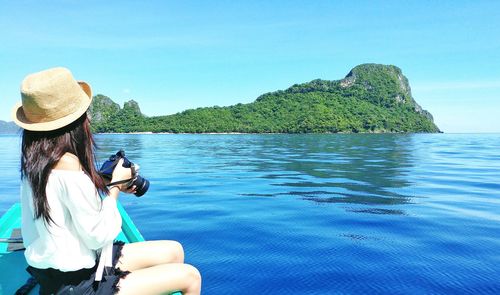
372	98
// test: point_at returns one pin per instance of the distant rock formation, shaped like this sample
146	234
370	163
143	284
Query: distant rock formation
107	116
8	128
371	98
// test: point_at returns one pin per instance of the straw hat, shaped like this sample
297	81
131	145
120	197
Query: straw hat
51	99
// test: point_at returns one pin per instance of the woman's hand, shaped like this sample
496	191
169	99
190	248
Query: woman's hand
121	173
131	190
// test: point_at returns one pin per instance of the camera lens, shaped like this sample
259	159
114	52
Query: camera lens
141	185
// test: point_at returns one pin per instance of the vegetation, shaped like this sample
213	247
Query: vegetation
371	98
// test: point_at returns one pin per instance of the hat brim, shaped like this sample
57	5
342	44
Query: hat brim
20	119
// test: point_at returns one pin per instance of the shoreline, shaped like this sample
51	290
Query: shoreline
254	133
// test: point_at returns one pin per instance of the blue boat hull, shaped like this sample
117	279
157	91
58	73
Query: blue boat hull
13	265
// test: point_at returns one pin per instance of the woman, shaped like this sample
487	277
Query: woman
68	230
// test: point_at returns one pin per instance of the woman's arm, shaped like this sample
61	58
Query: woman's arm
96	223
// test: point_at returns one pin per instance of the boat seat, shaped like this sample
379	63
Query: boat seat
15	241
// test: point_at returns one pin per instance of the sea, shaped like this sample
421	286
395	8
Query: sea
316	213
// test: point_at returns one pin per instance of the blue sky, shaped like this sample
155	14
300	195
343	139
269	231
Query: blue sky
174	55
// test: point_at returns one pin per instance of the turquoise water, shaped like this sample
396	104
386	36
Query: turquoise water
317	214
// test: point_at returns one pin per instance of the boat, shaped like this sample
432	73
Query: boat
13	274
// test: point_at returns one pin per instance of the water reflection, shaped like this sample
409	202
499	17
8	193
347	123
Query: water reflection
378	211
365	170
350	169
110	143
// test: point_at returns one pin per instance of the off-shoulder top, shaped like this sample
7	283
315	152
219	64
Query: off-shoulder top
84	225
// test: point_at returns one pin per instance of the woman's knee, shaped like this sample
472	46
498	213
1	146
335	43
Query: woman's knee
180	251
193	276
194	272
176	251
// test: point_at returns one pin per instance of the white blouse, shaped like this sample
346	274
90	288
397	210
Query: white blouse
82	224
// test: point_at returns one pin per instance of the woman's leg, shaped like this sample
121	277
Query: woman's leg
162	278
150	253
157	267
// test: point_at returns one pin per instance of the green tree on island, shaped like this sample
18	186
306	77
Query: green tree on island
371	98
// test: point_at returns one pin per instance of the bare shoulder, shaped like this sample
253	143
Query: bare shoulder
68	162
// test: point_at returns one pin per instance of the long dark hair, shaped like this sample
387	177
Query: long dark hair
41	150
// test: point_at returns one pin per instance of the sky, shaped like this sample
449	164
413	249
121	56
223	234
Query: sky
174	55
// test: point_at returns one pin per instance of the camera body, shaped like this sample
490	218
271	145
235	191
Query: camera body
106	171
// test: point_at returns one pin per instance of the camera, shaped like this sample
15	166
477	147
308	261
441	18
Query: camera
106	171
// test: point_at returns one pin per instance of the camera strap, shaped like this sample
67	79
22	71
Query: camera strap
119	182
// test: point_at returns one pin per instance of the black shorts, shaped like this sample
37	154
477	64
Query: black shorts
54	281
